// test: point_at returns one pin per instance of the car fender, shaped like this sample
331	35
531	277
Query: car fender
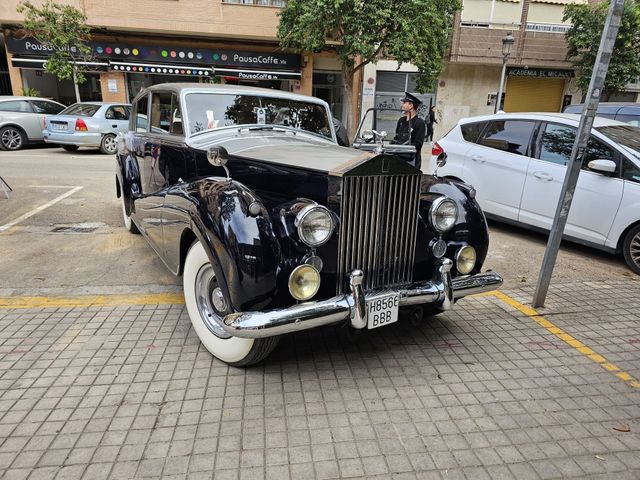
127	171
626	217
241	245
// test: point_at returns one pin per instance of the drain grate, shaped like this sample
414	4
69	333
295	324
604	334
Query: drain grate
74	229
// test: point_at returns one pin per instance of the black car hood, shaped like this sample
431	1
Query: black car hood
299	150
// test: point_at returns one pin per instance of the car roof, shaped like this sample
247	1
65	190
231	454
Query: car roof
19	97
569	118
241	89
100	103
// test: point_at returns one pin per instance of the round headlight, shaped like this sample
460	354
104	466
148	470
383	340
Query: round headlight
304	282
443	214
465	259
315	225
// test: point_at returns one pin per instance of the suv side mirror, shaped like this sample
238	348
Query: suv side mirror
602	166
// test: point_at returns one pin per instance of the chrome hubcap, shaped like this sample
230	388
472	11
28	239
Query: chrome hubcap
634	249
11	139
110	144
210	301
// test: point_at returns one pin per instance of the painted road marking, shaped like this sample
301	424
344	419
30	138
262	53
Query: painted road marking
178	299
566	338
92	301
7	226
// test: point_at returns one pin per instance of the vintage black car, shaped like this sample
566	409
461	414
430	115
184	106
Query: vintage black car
276	229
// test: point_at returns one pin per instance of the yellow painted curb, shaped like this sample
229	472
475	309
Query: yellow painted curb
92	301
566	338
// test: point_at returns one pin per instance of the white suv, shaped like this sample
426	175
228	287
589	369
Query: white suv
517	164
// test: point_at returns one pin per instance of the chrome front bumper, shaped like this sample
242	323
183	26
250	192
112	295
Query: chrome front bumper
440	291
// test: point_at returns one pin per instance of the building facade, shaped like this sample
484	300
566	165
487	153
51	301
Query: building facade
157	41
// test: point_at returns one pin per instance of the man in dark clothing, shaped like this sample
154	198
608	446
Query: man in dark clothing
411	128
431	119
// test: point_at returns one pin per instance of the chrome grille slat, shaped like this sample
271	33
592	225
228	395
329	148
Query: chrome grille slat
379	225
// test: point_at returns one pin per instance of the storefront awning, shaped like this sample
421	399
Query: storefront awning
257	74
160	68
38	64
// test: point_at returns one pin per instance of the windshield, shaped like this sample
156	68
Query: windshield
206	111
81	110
625	135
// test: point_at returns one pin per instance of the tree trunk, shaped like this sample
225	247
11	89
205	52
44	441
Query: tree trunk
75	84
347	81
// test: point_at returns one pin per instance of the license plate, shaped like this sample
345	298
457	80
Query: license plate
382	310
58	126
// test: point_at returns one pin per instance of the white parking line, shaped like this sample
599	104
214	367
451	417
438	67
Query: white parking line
7	226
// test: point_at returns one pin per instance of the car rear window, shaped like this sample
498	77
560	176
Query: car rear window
471	131
513	136
42	106
81	110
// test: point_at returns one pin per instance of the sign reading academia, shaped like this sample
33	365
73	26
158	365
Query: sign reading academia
539	72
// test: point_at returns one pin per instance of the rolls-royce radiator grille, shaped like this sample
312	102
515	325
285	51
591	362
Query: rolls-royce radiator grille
379	219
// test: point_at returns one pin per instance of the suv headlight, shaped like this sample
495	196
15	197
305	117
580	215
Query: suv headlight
315	225
443	214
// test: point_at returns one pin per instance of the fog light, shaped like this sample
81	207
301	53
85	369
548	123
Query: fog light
304	282
465	259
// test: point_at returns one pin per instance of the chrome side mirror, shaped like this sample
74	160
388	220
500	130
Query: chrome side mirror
441	161
218	157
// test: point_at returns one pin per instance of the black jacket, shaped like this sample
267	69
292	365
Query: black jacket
418	130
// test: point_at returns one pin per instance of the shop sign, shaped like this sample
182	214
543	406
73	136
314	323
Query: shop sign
184	55
539	72
256	74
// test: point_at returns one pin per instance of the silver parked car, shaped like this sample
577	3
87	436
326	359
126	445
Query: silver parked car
22	119
88	124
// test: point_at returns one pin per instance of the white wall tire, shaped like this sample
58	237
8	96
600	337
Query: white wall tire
239	352
126	218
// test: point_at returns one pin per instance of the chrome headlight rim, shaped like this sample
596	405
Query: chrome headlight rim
293	275
304	213
437	203
458	258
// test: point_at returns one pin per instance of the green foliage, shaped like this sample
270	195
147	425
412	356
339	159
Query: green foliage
30	92
583	38
64	29
362	31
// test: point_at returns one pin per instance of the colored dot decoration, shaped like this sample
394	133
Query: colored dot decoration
144	52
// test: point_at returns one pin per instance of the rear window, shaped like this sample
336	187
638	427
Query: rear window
81	110
471	131
513	136
42	106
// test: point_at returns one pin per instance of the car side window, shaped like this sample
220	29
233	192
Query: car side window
42	106
513	136
142	121
471	131
557	142
165	113
16	106
630	171
117	112
596	150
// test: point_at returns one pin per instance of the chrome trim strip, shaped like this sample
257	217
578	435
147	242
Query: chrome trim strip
350	307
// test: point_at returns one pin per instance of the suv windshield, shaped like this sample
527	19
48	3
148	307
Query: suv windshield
625	135
206	111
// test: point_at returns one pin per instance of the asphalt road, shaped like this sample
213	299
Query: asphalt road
61	234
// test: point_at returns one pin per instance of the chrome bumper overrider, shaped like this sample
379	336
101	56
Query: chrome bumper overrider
441	290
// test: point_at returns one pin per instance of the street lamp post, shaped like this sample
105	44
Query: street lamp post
507	43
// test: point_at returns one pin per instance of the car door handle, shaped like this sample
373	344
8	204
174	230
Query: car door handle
114	126
478	158
543	176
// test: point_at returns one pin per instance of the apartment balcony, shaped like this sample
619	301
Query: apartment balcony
536	46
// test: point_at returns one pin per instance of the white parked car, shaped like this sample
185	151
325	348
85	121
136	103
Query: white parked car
88	124
517	164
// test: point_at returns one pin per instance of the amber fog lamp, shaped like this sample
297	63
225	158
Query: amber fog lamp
443	214
466	259
315	225
304	282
